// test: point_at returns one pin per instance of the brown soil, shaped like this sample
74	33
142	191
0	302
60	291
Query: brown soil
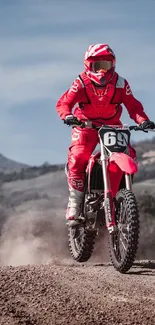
49	288
64	292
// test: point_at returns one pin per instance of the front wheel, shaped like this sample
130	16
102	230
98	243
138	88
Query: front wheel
123	243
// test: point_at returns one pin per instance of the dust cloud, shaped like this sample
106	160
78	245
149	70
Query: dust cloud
39	236
32	222
32	236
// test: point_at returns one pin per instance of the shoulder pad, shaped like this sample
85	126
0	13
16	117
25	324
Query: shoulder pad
81	81
120	82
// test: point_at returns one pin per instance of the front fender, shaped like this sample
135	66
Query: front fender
125	162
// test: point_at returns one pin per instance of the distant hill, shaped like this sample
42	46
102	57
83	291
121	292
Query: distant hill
8	165
146	157
11	170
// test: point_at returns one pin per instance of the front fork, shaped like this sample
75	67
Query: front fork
128	181
108	196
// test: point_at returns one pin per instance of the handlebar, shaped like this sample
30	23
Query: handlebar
90	124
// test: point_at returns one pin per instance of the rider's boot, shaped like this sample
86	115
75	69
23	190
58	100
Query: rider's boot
74	207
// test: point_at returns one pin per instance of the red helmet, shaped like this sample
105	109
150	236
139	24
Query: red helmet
99	63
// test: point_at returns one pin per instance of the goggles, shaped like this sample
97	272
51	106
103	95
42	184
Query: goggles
102	65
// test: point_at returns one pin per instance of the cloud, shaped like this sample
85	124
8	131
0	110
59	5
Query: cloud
42	52
22	81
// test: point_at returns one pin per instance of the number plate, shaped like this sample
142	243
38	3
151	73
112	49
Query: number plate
115	140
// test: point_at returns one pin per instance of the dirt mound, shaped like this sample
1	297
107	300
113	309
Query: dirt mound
68	293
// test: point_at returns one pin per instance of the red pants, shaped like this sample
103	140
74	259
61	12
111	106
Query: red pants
83	144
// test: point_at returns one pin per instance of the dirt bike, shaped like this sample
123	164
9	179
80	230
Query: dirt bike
109	200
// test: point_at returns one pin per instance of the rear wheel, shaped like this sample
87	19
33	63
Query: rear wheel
82	236
81	242
123	243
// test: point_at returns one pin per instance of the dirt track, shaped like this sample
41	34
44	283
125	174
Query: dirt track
54	290
68	293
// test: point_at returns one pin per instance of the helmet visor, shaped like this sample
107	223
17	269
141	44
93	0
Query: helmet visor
102	65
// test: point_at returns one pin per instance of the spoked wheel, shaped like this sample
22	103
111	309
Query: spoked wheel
81	242
123	243
82	237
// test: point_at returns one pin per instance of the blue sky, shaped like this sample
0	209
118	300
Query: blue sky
41	53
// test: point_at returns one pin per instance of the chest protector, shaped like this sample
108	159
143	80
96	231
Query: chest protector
99	99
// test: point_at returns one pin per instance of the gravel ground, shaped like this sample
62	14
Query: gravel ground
41	285
63	292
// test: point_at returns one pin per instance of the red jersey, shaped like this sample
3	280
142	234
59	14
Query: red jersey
105	103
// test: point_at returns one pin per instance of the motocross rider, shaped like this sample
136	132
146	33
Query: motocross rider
98	92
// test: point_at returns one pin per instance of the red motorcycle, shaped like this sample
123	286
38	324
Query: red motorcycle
109	200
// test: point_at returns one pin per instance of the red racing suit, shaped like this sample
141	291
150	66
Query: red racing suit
94	102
